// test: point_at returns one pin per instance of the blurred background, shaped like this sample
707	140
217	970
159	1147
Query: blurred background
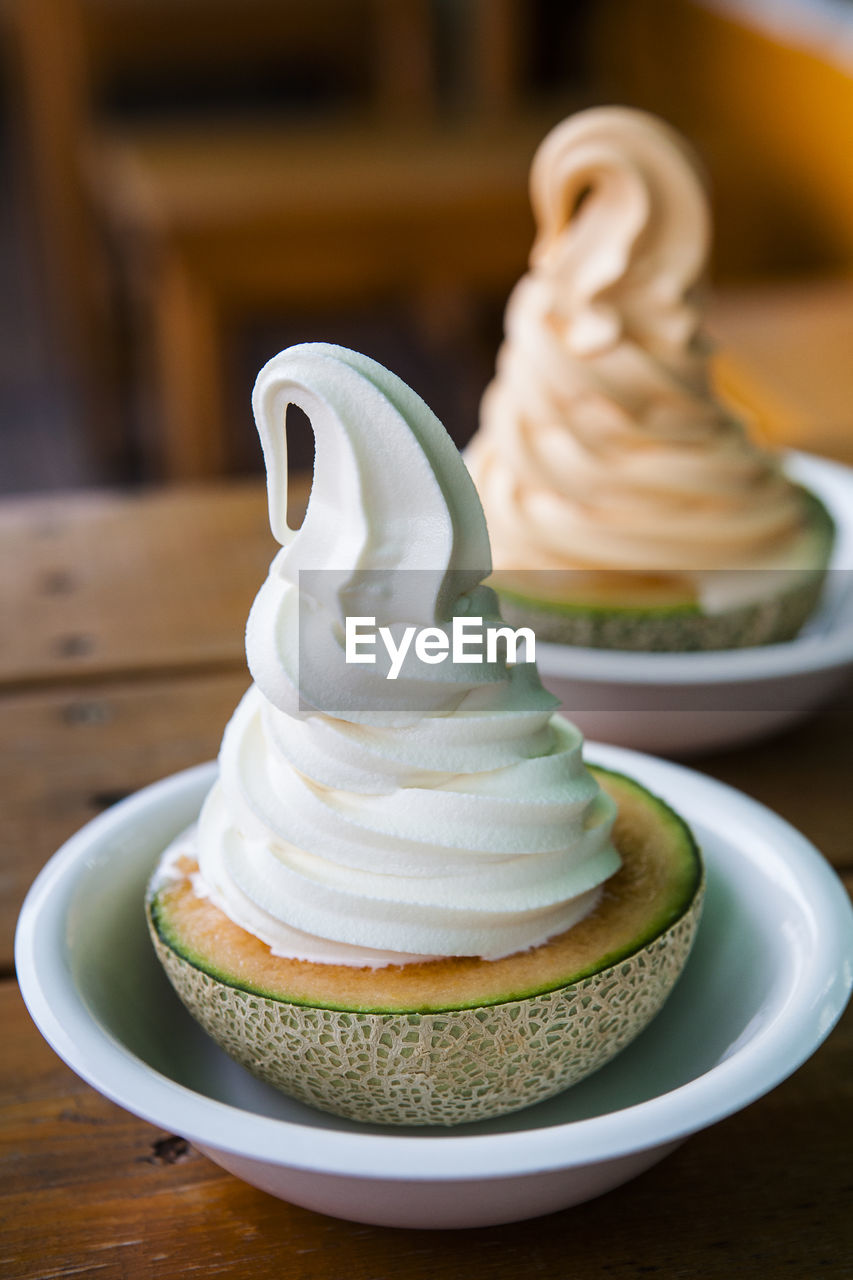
189	185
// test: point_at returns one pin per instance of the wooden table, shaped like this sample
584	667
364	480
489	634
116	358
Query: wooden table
121	659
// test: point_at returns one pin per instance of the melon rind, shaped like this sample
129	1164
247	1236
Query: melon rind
446	1066
437	1068
681	628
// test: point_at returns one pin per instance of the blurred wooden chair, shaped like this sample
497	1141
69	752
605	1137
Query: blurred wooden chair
203	222
80	66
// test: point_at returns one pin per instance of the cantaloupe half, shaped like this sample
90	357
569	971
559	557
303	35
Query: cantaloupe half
656	612
447	1041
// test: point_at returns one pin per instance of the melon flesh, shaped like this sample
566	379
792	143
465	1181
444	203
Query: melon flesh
446	1041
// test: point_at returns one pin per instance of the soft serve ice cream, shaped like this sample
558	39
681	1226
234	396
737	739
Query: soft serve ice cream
363	822
601	444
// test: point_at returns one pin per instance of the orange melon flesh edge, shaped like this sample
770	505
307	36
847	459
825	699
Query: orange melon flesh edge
659	879
588	589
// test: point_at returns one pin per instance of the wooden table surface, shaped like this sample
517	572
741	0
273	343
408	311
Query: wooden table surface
121	658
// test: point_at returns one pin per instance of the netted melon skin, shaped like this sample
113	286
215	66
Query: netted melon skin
437	1068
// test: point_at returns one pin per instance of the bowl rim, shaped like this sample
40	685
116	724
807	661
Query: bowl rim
812	1007
759	663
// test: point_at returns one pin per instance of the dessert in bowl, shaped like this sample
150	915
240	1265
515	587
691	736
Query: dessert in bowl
407	899
627	507
687	703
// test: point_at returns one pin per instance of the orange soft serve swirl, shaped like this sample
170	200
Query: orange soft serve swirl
601	444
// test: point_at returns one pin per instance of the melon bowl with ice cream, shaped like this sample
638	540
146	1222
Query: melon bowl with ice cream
455	1039
627	507
408	900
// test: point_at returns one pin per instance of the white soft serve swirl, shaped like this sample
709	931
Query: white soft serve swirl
601	444
458	819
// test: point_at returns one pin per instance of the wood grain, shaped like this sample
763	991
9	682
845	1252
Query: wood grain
104	584
85	1189
67	754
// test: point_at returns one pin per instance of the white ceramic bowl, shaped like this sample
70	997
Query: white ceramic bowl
768	977
683	703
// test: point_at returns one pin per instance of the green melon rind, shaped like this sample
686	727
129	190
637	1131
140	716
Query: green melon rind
438	1068
442	1067
681	627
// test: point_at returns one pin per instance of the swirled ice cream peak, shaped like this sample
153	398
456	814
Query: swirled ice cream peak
388	492
601	443
462	822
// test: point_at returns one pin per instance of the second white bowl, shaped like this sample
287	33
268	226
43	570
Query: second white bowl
684	703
